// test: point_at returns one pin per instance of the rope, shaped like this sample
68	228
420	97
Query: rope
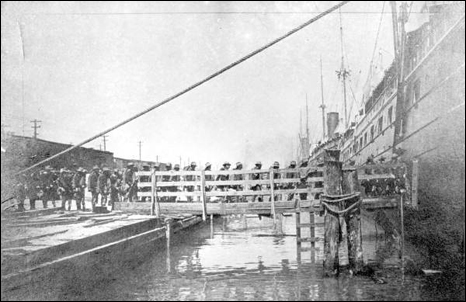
343	212
341	199
250	55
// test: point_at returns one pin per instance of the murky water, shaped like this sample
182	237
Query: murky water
237	258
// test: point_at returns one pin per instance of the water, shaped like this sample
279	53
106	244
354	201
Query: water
235	259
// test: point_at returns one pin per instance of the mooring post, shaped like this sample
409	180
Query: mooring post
155	206
203	197
402	245
272	194
168	234
415	183
350	184
152	180
332	186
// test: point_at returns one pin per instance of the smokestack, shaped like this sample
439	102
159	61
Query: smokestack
332	123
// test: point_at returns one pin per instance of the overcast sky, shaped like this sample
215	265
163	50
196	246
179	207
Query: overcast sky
87	66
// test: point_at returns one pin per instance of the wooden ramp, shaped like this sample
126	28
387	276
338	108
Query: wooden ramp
265	192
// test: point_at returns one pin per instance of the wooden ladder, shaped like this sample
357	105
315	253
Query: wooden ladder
299	225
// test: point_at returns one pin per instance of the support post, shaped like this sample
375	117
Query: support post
168	234
415	184
402	245
332	186
155	206
203	197
350	184
272	194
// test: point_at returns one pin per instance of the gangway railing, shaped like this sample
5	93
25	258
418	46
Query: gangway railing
202	187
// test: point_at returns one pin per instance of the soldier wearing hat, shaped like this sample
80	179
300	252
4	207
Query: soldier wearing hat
46	180
209	177
191	167
256	176
146	179
79	186
65	188
239	166
224	177
276	175
104	185
291	185
20	191
93	177
130	182
174	178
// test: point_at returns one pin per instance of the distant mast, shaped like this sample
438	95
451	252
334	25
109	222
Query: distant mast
322	106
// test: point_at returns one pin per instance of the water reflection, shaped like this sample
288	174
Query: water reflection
232	259
237	258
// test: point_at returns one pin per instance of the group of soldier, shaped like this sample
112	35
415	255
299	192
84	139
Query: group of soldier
107	186
49	185
221	177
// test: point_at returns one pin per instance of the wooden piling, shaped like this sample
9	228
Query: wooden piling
332	186
168	234
203	197
350	184
272	194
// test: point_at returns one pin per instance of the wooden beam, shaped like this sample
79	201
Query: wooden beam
203	196
332	186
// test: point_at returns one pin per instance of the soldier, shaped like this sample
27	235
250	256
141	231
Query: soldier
303	184
239	166
130	182
208	167
114	185
50	188
192	167
174	178
147	179
276	175
291	185
103	185
21	191
65	188
256	176
165	179
43	175
79	186
34	191
93	177
224	177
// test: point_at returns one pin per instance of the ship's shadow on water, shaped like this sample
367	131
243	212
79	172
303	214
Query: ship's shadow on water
228	262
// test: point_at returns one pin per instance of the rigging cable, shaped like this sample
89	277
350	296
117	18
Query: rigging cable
219	72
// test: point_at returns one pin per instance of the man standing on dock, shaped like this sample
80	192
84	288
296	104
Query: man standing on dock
130	183
291	185
238	177
65	188
104	185
93	185
174	178
79	185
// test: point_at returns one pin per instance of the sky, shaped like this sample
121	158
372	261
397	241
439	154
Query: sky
83	67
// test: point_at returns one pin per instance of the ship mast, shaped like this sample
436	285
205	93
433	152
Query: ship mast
343	73
322	106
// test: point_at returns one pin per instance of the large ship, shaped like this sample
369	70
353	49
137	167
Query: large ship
416	111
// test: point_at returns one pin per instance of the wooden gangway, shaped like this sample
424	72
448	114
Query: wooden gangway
280	190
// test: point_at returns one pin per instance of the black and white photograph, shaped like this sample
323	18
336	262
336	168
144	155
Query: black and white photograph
233	150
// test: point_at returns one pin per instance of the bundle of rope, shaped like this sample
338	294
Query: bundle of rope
341	205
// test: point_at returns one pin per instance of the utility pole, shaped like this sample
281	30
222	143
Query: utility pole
322	106
35	122
140	143
105	141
